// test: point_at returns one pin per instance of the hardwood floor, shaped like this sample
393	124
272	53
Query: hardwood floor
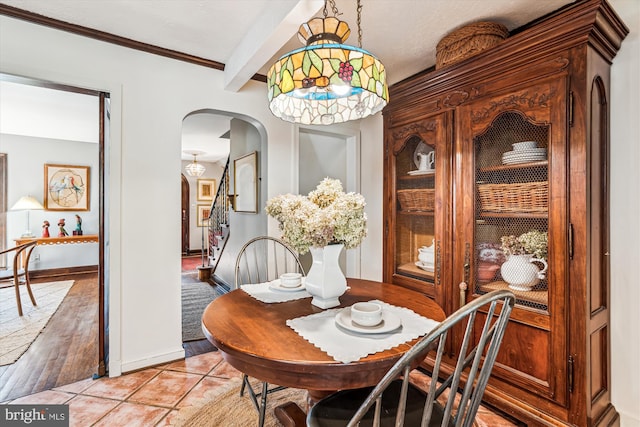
67	349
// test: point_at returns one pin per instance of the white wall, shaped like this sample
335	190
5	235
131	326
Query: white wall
26	157
245	139
150	96
625	218
371	167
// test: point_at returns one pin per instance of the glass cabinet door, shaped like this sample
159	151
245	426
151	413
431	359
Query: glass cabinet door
512	210
418	163
415	221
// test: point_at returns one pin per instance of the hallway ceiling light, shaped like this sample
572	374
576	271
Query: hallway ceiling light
327	81
195	168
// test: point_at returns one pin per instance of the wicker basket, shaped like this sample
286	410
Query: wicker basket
468	41
525	197
416	200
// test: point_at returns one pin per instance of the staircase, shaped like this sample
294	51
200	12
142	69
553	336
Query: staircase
219	221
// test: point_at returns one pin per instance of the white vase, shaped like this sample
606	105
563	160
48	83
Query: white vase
520	272
325	280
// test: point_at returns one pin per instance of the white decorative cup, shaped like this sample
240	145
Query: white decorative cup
290	280
366	313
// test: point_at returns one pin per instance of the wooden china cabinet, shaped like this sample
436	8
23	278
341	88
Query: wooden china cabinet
546	86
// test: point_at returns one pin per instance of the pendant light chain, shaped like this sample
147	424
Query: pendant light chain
334	8
359	10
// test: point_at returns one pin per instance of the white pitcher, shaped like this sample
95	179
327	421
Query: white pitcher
426	253
520	272
427	160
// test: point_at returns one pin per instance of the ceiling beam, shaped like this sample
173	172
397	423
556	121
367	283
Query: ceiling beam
266	37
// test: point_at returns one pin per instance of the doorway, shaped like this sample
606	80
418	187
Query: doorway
336	155
59	109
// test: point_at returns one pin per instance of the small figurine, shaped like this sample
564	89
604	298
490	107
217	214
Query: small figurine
45	229
62	232
78	230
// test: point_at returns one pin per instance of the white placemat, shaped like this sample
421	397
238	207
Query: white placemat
320	329
262	292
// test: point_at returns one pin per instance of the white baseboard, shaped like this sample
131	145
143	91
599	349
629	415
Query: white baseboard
628	420
152	361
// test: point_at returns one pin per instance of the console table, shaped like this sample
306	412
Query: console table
66	240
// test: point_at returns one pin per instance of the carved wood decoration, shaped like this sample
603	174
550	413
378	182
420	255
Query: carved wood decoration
420	130
525	100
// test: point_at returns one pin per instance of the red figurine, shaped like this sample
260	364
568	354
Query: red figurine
45	229
62	232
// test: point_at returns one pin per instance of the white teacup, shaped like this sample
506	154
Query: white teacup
366	313
290	280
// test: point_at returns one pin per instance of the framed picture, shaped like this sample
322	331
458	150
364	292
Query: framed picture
206	189
66	188
203	215
245	183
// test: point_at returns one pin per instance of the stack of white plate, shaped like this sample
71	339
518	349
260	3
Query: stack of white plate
524	152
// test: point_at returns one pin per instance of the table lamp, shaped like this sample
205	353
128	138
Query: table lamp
27	203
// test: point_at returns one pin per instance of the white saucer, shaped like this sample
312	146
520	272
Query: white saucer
277	286
390	322
540	150
425	267
522	160
422	172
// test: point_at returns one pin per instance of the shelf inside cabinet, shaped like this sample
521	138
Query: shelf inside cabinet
415	271
501	168
486	214
534	297
429	175
416	213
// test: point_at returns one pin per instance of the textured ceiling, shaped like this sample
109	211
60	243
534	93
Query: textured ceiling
402	33
248	35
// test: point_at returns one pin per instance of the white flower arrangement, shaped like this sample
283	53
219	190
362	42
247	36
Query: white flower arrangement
533	242
326	216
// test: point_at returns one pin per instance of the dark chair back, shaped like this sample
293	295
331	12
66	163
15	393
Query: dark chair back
484	321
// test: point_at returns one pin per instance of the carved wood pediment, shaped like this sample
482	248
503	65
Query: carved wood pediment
420	129
519	101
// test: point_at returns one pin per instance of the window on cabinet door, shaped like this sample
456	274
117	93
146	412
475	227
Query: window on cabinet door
512	214
415	221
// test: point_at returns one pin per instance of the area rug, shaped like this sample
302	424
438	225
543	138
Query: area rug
196	295
225	408
18	332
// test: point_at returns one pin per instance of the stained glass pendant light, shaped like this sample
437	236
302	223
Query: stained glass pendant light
195	168
327	81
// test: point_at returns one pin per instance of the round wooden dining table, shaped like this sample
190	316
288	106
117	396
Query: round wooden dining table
253	338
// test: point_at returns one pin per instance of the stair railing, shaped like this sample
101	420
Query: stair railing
218	224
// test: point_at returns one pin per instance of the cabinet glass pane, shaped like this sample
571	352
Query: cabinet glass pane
415	223
511	215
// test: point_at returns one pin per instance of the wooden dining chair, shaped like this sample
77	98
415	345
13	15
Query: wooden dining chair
397	402
20	268
263	259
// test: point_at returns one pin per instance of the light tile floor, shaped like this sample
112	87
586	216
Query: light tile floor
152	397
